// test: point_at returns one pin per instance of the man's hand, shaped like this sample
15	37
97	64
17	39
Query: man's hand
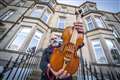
79	27
60	74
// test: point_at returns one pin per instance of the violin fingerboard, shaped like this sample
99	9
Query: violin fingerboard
74	37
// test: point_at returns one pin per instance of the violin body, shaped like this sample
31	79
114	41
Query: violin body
66	56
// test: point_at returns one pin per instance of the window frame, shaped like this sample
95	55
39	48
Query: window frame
61	17
115	31
48	17
84	9
114	46
4	14
53	3
103	53
14	37
45	0
101	20
42	8
18	4
37	42
91	21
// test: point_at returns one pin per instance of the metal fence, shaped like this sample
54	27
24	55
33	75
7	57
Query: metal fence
21	68
89	71
24	64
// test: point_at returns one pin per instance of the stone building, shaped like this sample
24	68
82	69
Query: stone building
30	23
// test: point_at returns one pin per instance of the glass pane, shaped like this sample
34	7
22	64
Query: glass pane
113	49
46	16
35	41
110	44
90	25
45	0
89	19
19	38
21	3
61	25
61	22
7	14
37	11
52	3
99	54
99	22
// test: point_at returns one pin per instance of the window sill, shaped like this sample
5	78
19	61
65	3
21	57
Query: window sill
95	29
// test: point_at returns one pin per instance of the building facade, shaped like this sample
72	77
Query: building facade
25	24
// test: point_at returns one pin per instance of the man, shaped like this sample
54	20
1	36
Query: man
48	73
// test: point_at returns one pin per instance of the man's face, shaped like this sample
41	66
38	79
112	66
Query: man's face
79	27
55	43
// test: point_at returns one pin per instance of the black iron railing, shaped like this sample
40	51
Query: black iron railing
98	72
21	68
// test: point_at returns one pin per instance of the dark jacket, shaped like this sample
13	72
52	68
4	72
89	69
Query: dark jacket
45	60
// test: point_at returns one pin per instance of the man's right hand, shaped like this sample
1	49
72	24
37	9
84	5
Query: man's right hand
61	74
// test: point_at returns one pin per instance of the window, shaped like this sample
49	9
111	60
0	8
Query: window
19	38
52	3
61	22
21	3
84	9
35	41
116	32
90	25
37	12
98	51
2	30
45	0
113	49
46	16
8	14
99	21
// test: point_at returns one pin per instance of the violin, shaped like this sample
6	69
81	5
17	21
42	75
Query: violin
65	57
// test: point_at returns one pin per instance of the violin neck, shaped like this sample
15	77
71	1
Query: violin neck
74	37
78	18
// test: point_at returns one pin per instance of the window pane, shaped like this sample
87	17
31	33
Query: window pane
113	49
99	22
90	25
21	3
110	44
52	3
7	15
99	53
19	38
35	41
84	9
46	16
61	22
2	29
45	0
37	12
